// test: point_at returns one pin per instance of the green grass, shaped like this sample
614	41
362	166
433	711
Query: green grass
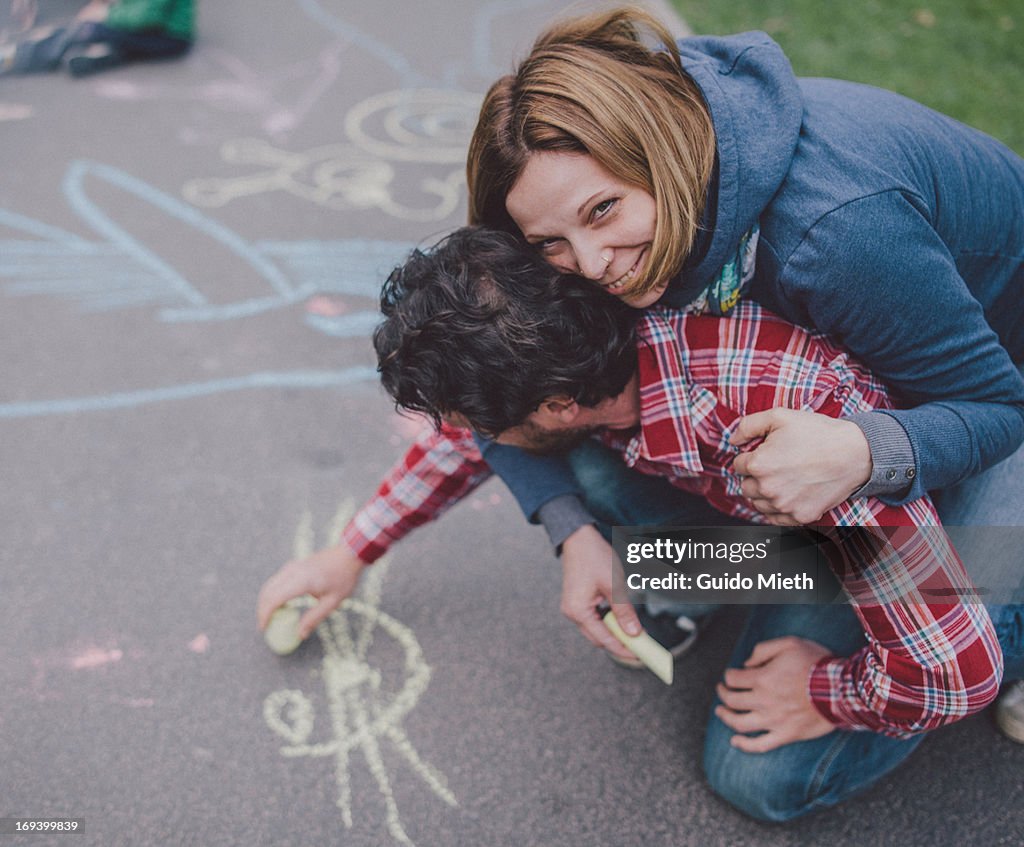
962	57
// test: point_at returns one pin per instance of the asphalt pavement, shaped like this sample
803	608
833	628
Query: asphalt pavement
189	257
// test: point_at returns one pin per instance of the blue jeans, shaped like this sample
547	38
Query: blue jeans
798	778
148	44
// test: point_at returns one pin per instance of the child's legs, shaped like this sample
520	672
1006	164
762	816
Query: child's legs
795	779
133	45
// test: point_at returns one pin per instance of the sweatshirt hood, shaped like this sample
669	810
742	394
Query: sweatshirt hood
757	109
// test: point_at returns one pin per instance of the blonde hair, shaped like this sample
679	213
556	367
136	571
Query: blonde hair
591	85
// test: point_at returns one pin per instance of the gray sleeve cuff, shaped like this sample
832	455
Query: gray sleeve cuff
562	516
893	467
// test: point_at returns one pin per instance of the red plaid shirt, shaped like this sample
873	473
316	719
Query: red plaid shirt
928	661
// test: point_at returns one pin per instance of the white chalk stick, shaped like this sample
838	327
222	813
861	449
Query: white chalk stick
657	659
282	632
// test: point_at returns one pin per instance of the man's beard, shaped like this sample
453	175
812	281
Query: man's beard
543	442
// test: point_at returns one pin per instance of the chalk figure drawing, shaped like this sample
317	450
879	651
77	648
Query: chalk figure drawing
229	83
118	272
423	126
361	714
420	127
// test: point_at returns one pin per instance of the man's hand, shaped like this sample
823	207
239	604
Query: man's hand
769	694
589	570
330	575
807	464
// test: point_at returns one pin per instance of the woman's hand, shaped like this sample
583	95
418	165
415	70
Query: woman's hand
807	464
589	570
769	695
330	575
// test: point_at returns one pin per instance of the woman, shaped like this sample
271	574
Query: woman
698	174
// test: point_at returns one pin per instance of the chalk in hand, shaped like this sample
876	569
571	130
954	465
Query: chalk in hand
282	632
645	648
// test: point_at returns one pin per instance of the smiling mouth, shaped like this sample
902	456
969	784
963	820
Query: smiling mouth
620	285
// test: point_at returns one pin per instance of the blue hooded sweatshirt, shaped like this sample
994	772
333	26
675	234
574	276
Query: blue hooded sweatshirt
895	230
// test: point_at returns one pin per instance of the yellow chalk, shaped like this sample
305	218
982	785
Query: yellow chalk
646	649
282	632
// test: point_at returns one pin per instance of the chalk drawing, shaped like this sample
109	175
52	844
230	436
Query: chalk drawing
15	111
95	657
361	713
117	271
85	657
419	125
481	20
390	140
188	391
486	29
200	644
391	57
422	126
280	98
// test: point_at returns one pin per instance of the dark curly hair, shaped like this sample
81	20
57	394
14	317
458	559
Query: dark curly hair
479	326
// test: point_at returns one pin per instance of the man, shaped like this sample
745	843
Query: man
480	335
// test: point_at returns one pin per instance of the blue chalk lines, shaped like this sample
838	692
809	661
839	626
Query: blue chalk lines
483	25
188	391
117	271
424	124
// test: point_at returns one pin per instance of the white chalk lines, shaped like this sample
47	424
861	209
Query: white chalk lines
362	713
422	127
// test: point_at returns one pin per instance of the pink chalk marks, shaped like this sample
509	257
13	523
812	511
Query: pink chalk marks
326	306
479	503
95	657
200	644
15	111
280	99
81	659
99	658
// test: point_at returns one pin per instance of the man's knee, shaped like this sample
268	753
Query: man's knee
785	783
797	779
757	784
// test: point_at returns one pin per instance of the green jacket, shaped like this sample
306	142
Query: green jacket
170	17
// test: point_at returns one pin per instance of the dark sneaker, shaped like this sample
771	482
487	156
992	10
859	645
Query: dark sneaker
677	634
1010	711
94	58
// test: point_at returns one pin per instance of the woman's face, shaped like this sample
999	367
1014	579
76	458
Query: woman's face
586	221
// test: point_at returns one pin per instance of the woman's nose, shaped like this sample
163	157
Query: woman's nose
593	262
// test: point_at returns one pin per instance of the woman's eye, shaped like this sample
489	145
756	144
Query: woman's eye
602	208
548	245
